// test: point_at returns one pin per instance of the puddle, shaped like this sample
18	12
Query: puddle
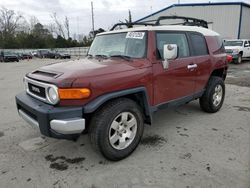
61	162
153	140
1	134
242	108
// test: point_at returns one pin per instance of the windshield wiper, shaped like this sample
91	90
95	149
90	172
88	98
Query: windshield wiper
127	58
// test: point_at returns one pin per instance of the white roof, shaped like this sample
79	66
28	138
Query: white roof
202	30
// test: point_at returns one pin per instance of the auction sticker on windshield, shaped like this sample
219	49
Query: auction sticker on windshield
135	35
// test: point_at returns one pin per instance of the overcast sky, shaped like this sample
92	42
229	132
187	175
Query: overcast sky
107	12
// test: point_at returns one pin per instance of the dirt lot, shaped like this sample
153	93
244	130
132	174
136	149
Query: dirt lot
184	148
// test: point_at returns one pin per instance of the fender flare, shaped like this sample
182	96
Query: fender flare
96	103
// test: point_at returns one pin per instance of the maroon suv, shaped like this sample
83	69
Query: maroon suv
127	76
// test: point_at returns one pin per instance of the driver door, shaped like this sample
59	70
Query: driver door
178	80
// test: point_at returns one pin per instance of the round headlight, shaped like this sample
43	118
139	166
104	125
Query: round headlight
53	95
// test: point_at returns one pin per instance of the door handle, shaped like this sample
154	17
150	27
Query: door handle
192	66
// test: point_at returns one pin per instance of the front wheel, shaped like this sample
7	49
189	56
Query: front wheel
239	59
116	129
212	99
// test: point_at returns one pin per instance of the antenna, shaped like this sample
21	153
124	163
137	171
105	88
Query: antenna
93	23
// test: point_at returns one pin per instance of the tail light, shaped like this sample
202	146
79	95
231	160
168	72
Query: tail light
229	58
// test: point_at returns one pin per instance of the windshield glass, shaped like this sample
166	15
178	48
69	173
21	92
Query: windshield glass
233	43
131	44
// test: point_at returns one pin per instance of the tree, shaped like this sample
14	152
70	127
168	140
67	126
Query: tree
66	25
9	22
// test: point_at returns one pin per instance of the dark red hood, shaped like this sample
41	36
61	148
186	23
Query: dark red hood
63	74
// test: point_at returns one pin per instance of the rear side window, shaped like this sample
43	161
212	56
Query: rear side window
199	44
172	38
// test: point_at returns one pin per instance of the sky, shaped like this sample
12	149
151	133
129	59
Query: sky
106	12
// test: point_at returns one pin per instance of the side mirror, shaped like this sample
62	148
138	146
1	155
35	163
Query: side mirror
170	52
247	45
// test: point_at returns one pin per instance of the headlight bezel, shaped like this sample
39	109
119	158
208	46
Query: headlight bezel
52	99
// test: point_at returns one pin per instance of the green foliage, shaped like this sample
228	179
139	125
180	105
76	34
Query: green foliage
40	37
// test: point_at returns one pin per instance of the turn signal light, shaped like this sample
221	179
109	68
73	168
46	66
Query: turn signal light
76	93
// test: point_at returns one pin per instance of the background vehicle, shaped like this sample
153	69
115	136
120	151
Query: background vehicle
27	56
238	49
128	75
46	54
8	57
62	56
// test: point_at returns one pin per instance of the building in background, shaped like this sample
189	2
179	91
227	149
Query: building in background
231	20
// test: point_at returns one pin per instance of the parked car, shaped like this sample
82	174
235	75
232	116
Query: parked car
27	56
46	54
62	56
238	49
8	57
127	76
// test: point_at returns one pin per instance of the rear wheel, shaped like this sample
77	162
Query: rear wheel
212	99
117	128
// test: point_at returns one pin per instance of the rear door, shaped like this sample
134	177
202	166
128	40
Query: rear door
177	80
199	51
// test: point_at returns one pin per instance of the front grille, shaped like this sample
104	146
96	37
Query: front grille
37	90
229	51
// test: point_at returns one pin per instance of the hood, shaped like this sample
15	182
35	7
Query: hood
63	74
232	47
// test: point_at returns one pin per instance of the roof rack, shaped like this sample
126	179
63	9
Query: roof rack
129	25
187	21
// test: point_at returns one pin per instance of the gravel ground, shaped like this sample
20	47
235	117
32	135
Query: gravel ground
184	148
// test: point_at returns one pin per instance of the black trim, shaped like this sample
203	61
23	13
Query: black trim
187	21
177	102
44	113
96	103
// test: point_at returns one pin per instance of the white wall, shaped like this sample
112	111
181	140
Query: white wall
224	18
245	23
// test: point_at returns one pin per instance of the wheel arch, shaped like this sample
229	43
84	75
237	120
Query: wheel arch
220	72
139	95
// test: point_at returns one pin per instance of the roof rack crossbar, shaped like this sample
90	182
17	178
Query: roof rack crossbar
187	21
129	25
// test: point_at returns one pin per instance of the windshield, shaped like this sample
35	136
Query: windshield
130	44
233	43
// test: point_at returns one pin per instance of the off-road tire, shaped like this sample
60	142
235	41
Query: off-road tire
206	101
101	122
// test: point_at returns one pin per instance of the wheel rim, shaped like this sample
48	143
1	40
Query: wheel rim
239	59
217	96
123	130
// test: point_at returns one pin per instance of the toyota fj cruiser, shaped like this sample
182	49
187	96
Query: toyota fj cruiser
127	76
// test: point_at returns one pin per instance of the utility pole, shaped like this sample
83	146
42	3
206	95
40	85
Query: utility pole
93	23
179	1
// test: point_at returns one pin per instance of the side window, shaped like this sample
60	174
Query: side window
172	38
245	44
199	44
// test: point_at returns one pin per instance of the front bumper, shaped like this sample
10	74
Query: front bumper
234	56
56	122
